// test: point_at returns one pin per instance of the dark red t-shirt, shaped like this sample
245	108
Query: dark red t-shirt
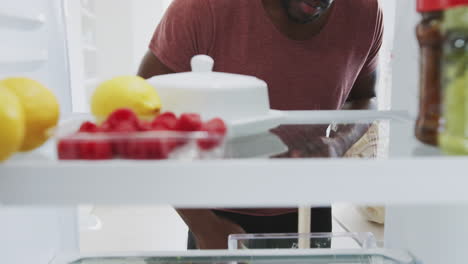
314	74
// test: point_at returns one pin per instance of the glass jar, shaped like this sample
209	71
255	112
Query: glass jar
454	136
430	40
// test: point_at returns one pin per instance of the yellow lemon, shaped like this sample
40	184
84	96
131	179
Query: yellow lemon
125	92
40	107
11	123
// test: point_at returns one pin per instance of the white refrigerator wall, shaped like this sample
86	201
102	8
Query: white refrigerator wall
124	29
34	45
107	38
384	87
405	58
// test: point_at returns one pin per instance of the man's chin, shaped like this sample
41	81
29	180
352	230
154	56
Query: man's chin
303	21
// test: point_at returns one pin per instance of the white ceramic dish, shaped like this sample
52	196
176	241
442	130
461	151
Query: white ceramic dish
241	101
264	145
255	125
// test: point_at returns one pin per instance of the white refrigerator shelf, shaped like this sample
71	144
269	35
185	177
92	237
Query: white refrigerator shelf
410	173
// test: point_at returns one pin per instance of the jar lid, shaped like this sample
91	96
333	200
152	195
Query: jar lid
430	5
454	3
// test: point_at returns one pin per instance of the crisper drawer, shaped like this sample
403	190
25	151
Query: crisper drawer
315	256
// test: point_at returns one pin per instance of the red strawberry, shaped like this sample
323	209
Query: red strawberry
170	140
95	150
148	149
68	149
144	125
136	149
126	128
122	120
165	121
120	147
88	127
216	129
189	122
105	127
216	126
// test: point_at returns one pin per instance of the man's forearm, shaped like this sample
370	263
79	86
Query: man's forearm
198	220
210	231
151	66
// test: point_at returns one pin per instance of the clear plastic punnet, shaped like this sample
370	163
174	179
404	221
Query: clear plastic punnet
144	145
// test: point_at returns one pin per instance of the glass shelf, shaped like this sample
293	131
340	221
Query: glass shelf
259	257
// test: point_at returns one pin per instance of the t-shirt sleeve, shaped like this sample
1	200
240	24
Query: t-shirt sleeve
186	30
372	60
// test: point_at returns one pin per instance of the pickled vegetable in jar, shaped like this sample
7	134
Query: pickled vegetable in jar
454	136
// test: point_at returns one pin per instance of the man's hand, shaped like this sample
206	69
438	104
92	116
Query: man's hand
210	231
310	141
318	147
326	147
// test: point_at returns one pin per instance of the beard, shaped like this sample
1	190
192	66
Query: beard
294	12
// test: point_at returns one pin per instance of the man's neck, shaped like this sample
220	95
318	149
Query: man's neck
291	29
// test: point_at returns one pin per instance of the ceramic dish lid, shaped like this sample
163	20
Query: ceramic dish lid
202	76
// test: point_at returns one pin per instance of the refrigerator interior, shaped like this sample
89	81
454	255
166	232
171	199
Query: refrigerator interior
34	44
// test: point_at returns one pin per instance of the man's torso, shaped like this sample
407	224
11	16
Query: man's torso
302	75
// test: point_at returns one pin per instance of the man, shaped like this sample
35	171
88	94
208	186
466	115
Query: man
314	55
